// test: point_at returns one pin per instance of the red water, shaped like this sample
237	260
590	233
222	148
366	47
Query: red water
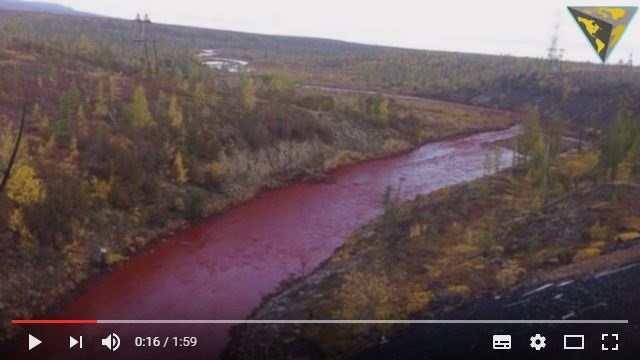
223	268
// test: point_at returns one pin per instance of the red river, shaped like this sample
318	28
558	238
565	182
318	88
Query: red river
223	268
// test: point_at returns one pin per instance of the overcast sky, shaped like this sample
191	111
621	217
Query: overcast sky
522	28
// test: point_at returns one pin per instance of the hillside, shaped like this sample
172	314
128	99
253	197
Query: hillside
120	149
543	221
32	6
114	158
439	256
613	291
584	93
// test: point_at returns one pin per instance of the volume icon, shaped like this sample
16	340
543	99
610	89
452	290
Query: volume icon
112	342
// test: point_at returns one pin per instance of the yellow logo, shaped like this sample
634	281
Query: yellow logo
603	26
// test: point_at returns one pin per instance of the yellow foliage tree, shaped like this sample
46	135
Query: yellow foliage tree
175	113
81	121
383	112
280	84
139	108
538	160
85	46
6	140
247	93
100	189
100	109
179	169
24	186
18	226
198	91
114	89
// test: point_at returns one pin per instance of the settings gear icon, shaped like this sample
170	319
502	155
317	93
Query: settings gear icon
538	342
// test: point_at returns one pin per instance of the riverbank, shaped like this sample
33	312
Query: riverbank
431	255
240	174
222	269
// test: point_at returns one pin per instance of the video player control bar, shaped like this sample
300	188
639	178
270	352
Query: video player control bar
249	321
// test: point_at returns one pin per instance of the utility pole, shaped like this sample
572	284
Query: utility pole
554	53
16	146
142	38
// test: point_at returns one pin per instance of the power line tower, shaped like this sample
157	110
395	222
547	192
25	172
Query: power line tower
143	39
555	54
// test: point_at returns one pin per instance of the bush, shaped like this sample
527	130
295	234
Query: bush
598	231
196	202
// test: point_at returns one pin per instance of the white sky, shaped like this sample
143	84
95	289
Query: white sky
515	27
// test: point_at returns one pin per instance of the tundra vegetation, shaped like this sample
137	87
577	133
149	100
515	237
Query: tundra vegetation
116	154
558	212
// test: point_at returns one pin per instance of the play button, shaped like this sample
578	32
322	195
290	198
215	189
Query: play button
33	341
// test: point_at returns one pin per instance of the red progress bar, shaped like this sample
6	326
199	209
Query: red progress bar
50	321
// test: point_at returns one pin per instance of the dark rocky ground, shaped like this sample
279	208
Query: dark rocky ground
607	295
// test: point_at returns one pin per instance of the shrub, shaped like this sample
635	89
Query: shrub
598	231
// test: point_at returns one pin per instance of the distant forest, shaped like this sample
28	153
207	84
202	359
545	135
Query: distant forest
583	92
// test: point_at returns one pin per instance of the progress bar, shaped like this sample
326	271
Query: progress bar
309	322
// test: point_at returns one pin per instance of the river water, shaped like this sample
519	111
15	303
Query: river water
222	268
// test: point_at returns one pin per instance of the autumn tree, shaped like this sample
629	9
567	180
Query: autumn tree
539	160
633	157
180	172
383	112
378	108
25	189
175	113
139	114
81	122
532	132
40	120
114	90
62	131
85	46
70	98
68	104
198	91
100	108
617	142
24	186
556	129
280	84
247	93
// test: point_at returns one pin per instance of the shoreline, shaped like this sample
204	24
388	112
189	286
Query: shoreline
167	234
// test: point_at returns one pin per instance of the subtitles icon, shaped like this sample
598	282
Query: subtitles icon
502	342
